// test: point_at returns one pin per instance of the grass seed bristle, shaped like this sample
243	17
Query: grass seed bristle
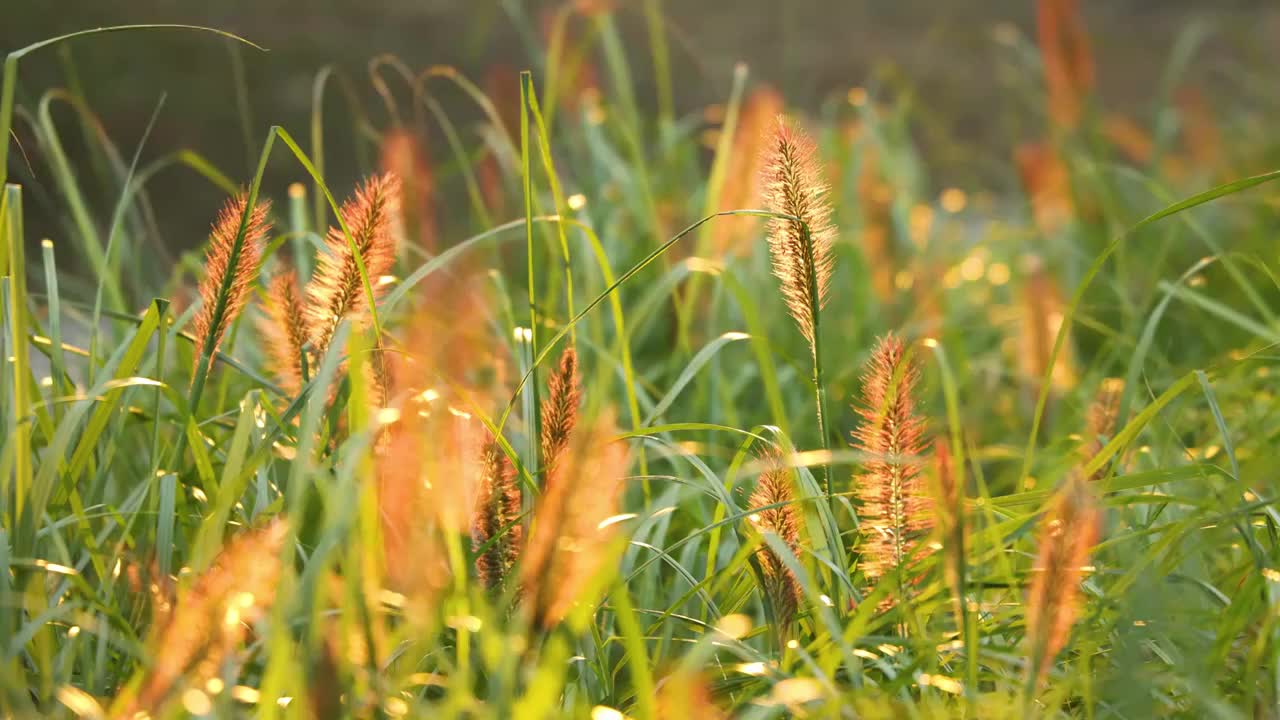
220	263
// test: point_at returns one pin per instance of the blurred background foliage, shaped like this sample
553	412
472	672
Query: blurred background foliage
956	63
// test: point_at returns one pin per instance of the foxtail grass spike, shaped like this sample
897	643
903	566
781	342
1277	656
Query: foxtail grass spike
800	248
950	528
1100	421
212	618
896	508
283	330
1067	535
573	524
405	156
496	533
336	291
429	478
560	409
1067	59
780	583
1041	315
219	264
744	176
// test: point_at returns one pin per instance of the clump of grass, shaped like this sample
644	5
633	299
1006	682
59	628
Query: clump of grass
230	265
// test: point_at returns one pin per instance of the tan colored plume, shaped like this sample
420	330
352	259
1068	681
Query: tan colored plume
336	292
221	261
212	618
780	584
429	476
496	531
574	523
405	156
1067	535
283	330
560	409
744	179
1067	59
1041	315
800	248
1047	183
1100	421
897	509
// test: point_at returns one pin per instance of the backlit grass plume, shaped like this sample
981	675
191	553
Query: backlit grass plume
429	476
211	619
897	510
743	179
1041	313
496	533
950	526
404	156
1100	421
1068	533
283	330
336	291
1067	59
230	266
801	247
560	409
780	584
1047	183
575	521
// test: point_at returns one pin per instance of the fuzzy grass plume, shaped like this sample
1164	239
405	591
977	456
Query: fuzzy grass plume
1047	183
574	524
781	586
897	508
336	291
560	409
212	618
1041	313
800	248
496	532
1067	535
1100	421
1067	59
284	331
744	178
429	476
222	264
404	156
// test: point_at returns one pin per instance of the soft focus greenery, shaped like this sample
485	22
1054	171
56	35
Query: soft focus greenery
1166	270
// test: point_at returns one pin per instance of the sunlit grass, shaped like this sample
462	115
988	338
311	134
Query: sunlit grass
531	431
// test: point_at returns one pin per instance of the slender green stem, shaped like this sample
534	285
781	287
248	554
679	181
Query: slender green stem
21	358
535	421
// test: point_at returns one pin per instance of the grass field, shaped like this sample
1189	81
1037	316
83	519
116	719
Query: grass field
590	406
